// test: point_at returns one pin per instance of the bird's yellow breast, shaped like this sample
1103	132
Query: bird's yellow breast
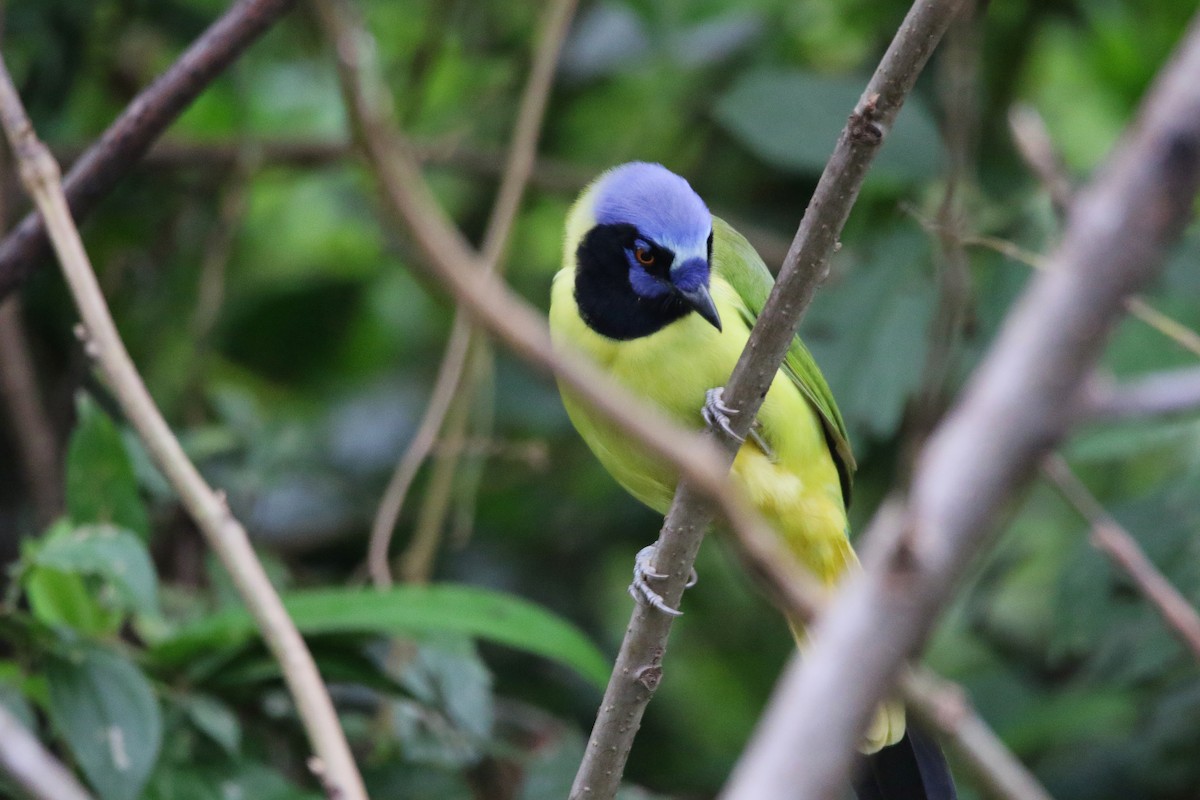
797	489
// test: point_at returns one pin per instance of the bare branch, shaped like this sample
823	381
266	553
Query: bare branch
1124	552
1175	391
31	766
806	265
942	705
417	561
1173	329
444	388
958	81
1037	148
493	306
37	444
945	707
39	172
1017	405
1135	304
517	172
143	121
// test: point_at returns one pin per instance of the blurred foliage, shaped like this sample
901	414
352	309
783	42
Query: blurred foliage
291	345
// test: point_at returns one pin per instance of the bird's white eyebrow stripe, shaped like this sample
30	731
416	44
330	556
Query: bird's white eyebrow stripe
683	254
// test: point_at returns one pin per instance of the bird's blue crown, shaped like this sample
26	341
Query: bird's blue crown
659	203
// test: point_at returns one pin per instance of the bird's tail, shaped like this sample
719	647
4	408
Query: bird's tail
911	769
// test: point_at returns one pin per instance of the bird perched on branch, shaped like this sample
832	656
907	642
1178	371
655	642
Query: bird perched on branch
663	295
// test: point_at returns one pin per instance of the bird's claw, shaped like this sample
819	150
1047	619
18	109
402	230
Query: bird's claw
643	573
716	414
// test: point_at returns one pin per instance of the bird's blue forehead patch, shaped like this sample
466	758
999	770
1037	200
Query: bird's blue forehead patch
659	203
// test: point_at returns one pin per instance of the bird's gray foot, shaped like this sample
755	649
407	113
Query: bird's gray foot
643	573
716	414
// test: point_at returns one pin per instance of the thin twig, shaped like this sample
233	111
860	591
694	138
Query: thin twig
1135	304
939	703
469	464
1172	328
1124	552
517	171
945	707
549	173
33	767
958	81
125	141
445	387
452	263
806	265
40	174
37	444
417	561
1037	149
1174	391
1016	407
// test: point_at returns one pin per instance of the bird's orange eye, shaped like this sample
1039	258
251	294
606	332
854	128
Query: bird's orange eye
644	256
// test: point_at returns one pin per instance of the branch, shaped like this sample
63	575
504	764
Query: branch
1017	405
942	705
1124	552
1135	304
39	172
493	306
806	265
945	707
181	154
1169	392
37	443
958	90
445	386
517	172
416	563
1037	149
33	767
143	121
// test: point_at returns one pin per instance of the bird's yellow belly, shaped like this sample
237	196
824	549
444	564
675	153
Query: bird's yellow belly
797	490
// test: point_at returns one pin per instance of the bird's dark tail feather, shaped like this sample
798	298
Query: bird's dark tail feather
911	769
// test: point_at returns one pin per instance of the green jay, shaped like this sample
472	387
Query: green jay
662	295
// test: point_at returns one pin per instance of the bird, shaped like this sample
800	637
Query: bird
662	294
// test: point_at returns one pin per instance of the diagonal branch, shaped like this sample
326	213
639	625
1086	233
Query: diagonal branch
33	767
143	121
333	763
945	706
1174	391
1124	552
804	268
942	705
517	171
455	266
1016	406
37	443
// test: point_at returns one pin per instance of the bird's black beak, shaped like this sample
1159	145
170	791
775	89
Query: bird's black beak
702	302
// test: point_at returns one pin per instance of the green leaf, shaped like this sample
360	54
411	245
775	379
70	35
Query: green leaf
214	719
451	719
101	486
106	711
246	779
115	555
869	334
792	119
62	599
479	613
15	703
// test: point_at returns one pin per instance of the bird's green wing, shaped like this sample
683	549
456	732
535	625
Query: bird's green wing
735	260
